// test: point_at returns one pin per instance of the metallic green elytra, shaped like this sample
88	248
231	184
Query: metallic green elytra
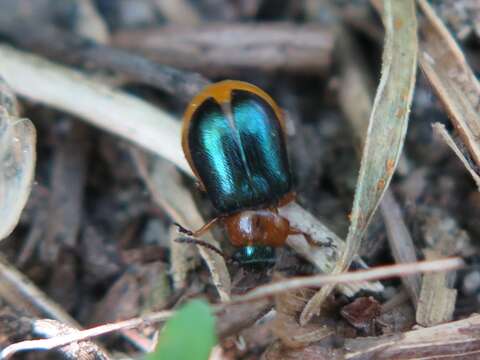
237	148
233	137
255	257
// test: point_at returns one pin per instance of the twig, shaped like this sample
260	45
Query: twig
253	295
381	272
222	48
83	350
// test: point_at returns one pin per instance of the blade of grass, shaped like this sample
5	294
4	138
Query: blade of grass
386	132
464	158
356	103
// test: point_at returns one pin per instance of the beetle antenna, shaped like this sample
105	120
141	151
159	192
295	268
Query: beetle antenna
188	240
182	229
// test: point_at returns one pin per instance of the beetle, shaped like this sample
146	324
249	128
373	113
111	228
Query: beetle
233	137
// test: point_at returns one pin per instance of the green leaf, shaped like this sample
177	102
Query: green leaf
188	335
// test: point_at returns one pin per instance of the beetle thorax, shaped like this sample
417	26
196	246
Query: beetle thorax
257	227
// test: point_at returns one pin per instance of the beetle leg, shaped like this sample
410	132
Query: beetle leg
189	240
198	232
182	229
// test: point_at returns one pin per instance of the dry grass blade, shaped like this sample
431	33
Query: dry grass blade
443	133
94	102
356	104
376	273
17	162
386	131
164	182
451	77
